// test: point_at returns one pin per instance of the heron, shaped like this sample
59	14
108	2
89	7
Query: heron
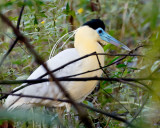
88	38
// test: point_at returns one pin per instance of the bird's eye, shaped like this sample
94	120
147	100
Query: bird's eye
100	31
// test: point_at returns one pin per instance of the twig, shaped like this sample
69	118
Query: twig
68	101
20	16
88	55
100	66
116	100
36	97
94	53
106	126
91	54
140	109
16	40
15	101
95	69
35	81
19	35
107	114
120	54
70	79
134	85
13	91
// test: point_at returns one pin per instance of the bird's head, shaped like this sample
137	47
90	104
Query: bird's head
95	30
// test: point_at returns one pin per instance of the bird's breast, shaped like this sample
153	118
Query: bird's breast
79	90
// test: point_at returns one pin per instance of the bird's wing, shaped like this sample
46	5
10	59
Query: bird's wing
46	89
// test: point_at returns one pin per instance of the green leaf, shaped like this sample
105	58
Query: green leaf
155	13
106	47
72	13
35	20
67	8
155	65
121	66
109	90
88	103
116	58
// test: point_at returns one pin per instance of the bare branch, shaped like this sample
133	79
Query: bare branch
88	55
120	54
35	81
100	66
80	104
83	116
30	82
16	40
116	100
140	109
94	53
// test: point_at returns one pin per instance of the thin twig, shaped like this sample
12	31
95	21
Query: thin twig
134	85
19	35
107	114
97	68
20	16
80	104
16	40
15	101
107	54
140	109
115	100
100	66
30	82
35	81
94	53
88	55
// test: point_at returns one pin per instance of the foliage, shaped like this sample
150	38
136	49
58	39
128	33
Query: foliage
132	22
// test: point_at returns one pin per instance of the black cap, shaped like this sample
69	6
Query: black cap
95	23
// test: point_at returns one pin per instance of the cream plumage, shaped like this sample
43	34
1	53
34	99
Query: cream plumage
87	40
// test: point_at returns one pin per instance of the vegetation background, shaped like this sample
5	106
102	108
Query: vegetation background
135	23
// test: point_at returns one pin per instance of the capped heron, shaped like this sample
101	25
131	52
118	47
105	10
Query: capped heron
88	39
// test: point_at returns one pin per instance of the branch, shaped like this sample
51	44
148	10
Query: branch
91	54
29	82
80	104
107	114
115	99
19	35
35	81
88	55
100	66
20	16
94	53
16	40
140	109
95	69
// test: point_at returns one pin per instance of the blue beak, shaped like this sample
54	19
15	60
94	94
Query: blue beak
108	38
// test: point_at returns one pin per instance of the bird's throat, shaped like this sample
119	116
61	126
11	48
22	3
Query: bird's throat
93	62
